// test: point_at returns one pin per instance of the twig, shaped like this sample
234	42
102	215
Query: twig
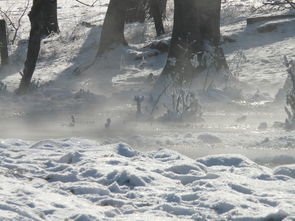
278	4
14	26
8	18
92	5
291	3
159	97
19	22
291	67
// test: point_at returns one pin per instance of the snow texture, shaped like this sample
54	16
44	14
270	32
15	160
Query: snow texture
58	180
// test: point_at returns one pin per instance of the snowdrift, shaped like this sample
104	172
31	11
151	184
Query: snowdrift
76	179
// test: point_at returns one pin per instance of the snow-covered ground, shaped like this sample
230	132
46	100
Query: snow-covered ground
76	179
232	166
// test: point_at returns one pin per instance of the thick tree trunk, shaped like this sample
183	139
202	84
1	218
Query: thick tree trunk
3	43
36	18
155	11
136	11
50	22
163	6
112	32
195	36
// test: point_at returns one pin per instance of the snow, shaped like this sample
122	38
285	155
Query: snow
234	165
81	179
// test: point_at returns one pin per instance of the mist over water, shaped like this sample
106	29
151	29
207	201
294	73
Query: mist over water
114	81
226	129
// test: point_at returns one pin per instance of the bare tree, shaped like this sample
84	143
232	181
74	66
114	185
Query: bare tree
120	11
50	22
112	32
43	19
3	43
36	18
157	14
195	39
137	11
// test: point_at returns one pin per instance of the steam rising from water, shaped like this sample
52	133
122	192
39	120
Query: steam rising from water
221	132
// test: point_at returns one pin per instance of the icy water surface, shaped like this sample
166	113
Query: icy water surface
221	132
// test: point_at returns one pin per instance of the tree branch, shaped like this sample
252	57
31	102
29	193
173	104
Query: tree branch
19	22
291	3
92	5
15	26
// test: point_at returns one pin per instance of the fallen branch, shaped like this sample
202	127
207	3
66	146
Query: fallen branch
265	18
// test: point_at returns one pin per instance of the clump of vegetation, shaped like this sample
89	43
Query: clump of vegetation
3	88
235	64
180	102
176	102
290	110
73	121
107	124
138	100
35	85
184	106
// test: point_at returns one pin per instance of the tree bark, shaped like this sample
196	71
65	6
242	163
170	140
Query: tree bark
196	32
3	43
163	6
50	22
155	11
136	11
113	27
36	18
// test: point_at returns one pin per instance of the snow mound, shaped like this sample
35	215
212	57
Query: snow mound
228	160
125	150
183	169
76	179
70	158
166	155
123	178
288	170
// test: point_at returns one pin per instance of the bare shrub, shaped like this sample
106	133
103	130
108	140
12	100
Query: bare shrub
290	110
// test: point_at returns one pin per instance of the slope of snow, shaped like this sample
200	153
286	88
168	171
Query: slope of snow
76	179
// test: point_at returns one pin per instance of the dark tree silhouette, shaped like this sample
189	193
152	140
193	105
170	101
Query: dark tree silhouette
196	33
136	11
120	11
3	43
156	13
112	32
36	17
50	22
43	18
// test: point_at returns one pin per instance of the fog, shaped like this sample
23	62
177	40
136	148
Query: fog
230	128
106	89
